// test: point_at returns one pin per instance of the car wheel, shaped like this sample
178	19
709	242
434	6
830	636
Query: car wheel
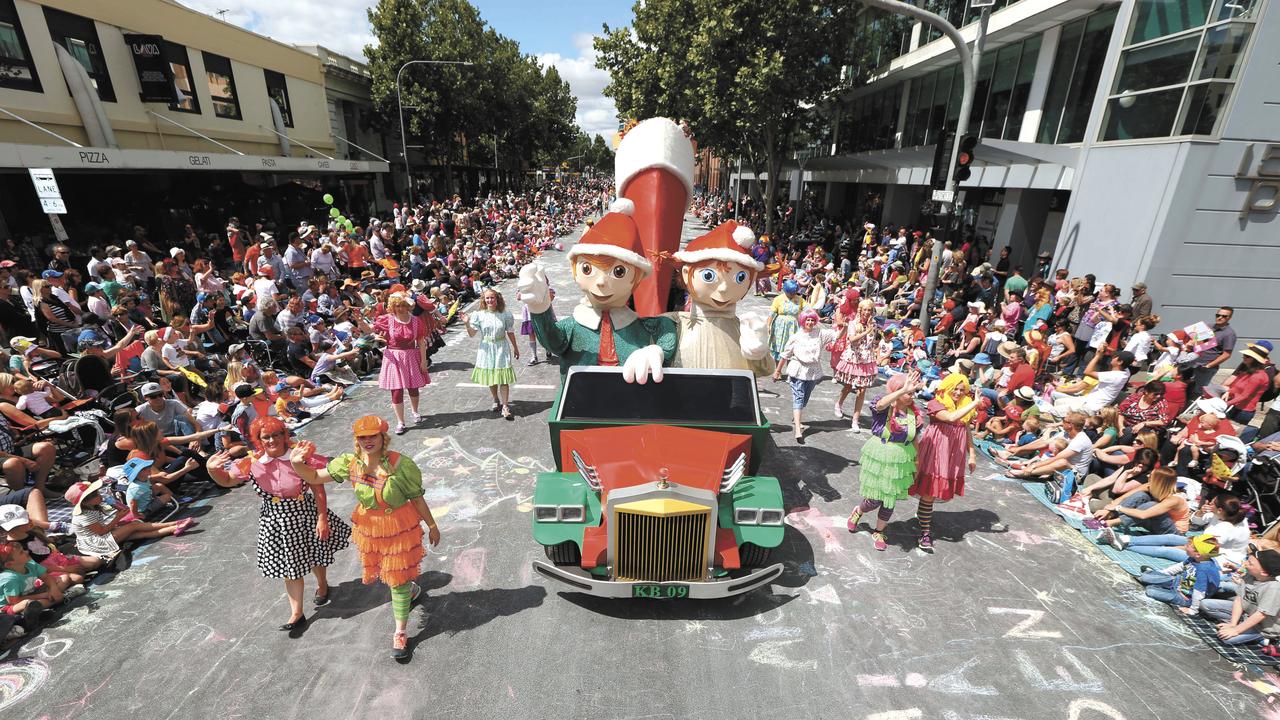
565	553
753	555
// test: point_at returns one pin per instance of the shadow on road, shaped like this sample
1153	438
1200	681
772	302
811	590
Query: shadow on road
352	597
803	471
951	527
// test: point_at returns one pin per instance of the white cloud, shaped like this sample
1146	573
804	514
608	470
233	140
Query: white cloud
597	114
340	25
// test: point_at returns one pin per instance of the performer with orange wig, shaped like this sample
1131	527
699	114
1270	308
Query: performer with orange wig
389	514
297	533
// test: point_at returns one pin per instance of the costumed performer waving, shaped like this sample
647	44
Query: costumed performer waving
297	532
390	511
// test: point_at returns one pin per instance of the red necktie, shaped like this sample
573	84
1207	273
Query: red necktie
608	353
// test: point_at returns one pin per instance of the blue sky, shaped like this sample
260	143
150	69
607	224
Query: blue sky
558	32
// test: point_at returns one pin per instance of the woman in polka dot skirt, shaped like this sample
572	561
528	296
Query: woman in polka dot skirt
297	533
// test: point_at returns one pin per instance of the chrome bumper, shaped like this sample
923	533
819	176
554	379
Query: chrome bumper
587	583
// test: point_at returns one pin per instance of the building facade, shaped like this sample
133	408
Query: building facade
1138	140
148	111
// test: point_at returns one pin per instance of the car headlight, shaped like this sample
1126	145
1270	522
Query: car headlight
770	517
572	513
746	516
546	513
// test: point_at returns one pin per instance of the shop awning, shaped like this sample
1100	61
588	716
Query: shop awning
109	159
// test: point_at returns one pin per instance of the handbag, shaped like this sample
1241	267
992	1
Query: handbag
1061	486
837	348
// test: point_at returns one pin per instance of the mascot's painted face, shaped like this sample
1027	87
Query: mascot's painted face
717	284
605	282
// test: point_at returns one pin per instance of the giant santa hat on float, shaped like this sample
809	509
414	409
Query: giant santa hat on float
615	236
727	242
654	169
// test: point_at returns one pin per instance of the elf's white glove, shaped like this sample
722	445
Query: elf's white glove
643	364
752	337
532	288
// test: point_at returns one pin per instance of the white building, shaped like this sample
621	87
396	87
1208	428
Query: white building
1138	140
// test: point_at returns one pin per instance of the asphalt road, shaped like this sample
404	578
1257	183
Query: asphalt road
1015	616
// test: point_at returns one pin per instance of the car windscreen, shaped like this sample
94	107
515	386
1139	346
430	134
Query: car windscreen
681	399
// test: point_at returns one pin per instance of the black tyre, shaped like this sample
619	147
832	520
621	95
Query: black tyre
753	555
565	553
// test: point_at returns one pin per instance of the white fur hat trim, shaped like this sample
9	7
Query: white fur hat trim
744	236
624	206
612	251
722	254
654	143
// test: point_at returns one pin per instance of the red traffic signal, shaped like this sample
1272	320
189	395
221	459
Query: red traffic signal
964	158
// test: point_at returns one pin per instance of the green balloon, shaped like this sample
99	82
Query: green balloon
333	212
328	199
342	220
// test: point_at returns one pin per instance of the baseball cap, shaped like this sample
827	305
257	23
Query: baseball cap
12	516
1270	561
7	263
149	389
90	338
175	252
92	287
235	348
202	296
50	273
133	467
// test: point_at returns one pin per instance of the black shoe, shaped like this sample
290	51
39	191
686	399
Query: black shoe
322	600
1145	568
295	628
31	614
122	561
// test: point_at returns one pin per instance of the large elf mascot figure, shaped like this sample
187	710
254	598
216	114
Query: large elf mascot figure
718	271
608	264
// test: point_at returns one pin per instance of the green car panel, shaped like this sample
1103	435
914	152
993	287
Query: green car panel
754	492
564	489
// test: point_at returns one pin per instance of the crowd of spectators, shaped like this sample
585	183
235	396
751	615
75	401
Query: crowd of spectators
126	366
1165	440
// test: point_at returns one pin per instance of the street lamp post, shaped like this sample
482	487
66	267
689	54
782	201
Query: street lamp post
404	147
969	69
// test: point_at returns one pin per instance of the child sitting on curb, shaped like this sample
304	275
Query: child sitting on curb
1252	615
140	491
1186	584
27	589
18	527
100	537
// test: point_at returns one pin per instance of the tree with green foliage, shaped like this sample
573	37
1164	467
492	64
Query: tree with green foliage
454	111
745	74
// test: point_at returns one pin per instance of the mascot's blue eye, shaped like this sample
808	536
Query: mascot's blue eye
707	275
741	277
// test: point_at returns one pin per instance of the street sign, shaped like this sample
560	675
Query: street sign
46	184
47	190
944	196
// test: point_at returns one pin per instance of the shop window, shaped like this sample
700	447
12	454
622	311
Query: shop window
80	38
278	90
222	87
1159	65
17	71
184	85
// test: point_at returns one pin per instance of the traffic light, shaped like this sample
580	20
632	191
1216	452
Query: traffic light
941	154
964	158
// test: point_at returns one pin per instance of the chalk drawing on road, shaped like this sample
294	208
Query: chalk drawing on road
19	679
1024	627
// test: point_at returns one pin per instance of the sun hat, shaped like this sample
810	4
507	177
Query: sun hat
1025	393
79	491
982	359
369	425
12	516
1257	352
1214	406
133	467
1006	349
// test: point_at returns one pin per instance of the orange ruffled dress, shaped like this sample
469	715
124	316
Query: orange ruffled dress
386	528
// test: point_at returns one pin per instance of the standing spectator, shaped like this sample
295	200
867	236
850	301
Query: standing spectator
298	265
1141	301
1224	338
139	262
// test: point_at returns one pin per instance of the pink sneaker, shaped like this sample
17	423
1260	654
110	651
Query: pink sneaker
184	525
879	541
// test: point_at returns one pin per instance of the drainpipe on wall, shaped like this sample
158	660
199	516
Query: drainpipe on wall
92	115
277	119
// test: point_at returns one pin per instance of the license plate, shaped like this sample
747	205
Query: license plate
660	592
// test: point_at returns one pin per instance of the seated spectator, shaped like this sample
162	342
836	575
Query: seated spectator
18	526
1156	506
1111	383
28	588
1075	456
140	491
100	536
1143	409
171	416
1200	435
1251	616
1190	580
1098	492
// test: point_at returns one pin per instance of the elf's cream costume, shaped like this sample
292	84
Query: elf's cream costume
718	271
